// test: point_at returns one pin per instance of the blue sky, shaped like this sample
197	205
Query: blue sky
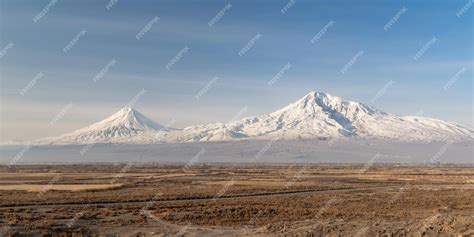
418	85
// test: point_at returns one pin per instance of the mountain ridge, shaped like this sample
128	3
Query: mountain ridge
317	115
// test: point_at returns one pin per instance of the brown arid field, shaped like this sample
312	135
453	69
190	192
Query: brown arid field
236	200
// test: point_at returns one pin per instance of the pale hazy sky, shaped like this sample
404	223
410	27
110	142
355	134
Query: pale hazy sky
438	84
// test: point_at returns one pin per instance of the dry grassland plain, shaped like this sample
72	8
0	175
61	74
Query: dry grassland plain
237	200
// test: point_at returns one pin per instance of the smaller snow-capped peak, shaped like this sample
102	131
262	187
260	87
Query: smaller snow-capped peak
129	118
121	126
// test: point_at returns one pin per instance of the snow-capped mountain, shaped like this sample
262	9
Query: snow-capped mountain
122	126
320	115
316	115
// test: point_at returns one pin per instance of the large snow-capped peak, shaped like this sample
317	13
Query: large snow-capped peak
357	119
329	103
122	126
321	115
323	105
317	114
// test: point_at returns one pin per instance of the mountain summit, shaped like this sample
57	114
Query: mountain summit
317	109
128	119
321	115
316	115
119	127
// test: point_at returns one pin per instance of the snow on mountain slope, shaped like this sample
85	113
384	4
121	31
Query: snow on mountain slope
316	115
120	127
302	119
320	115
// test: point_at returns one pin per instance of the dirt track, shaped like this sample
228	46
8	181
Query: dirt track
144	201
